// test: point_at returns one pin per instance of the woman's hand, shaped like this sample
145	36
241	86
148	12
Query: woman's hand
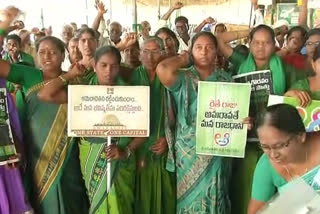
302	96
115	153
160	147
249	122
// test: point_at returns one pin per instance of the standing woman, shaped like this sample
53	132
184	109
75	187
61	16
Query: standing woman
88	42
94	152
170	40
202	181
52	161
155	185
311	84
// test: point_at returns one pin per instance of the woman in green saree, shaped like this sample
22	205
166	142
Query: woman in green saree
289	153
155	185
311	84
261	57
53	168
94	152
202	181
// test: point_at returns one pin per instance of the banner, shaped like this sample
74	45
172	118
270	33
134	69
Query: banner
289	12
115	111
261	88
309	115
8	152
221	109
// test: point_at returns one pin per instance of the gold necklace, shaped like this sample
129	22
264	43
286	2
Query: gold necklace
289	173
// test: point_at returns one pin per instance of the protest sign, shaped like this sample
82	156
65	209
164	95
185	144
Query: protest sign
8	152
310	115
221	109
114	111
261	88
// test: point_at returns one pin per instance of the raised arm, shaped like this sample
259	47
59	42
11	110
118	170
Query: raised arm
303	16
226	37
208	20
101	10
127	41
167	69
176	6
8	15
54	91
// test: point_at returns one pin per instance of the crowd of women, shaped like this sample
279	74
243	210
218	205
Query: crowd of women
161	174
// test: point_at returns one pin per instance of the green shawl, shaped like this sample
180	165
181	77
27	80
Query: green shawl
276	68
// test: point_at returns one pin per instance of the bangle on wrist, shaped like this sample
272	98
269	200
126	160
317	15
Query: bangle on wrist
128	152
64	80
3	32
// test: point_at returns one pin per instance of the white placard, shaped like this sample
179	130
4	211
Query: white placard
101	111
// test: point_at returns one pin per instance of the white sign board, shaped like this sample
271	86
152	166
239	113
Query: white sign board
101	111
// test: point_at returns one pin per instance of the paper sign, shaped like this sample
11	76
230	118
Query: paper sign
310	115
7	149
221	110
116	111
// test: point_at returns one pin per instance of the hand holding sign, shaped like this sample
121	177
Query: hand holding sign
160	146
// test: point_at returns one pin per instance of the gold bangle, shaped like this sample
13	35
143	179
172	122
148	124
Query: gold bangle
64	81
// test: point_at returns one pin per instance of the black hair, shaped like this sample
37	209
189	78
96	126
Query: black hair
90	31
107	50
313	32
171	34
57	42
242	49
265	28
14	37
316	54
222	25
284	117
207	34
181	19
300	29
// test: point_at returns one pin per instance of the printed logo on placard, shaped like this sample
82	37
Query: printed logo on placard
222	140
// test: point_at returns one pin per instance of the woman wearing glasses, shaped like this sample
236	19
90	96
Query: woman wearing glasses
289	153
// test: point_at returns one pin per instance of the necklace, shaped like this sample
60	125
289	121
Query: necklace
289	172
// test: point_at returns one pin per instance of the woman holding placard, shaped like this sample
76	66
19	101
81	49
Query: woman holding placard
53	167
202	181
94	152
289	153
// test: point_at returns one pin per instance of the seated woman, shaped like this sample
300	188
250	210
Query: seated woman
311	85
289	153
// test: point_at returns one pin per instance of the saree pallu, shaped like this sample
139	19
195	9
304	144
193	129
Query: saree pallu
53	166
202	181
312	178
120	199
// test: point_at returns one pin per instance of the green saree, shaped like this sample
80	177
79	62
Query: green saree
53	168
155	185
304	85
283	76
120	199
202	181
